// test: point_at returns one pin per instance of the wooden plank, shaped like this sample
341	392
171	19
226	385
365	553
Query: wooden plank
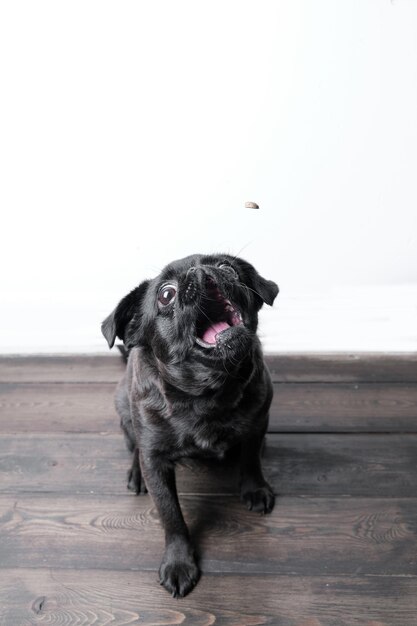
66	368
302	407
344	407
295	464
70	532
304	367
100	597
63	407
344	367
302	536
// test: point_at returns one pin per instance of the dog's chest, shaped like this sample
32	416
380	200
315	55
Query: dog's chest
210	443
211	437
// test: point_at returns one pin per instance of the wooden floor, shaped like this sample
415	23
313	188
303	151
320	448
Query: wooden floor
340	548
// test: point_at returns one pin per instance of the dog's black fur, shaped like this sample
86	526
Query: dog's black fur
195	386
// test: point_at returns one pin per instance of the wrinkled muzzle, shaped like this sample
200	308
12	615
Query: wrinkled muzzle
218	321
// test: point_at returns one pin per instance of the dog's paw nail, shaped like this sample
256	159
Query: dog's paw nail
179	578
260	500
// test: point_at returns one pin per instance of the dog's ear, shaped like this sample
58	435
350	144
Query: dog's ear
266	289
128	309
263	290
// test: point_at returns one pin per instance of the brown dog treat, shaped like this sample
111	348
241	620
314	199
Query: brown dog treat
251	205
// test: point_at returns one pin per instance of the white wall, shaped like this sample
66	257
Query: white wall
133	133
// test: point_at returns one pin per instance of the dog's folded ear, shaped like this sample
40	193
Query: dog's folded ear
126	316
266	289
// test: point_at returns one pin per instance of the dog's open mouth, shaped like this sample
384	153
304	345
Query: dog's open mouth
215	315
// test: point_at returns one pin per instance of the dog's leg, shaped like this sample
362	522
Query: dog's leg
123	409
178	572
134	475
255	492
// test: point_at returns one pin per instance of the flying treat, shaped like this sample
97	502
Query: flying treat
251	205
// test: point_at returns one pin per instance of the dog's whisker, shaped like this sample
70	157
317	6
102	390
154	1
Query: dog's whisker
204	313
208	299
250	289
234	257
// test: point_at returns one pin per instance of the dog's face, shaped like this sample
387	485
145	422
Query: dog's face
200	307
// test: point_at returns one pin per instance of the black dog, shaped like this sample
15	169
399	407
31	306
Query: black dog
195	385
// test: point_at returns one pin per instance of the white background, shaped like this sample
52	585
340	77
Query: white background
132	133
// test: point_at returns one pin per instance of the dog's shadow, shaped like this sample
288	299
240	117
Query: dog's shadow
208	512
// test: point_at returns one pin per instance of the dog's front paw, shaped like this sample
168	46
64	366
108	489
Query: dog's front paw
259	499
179	574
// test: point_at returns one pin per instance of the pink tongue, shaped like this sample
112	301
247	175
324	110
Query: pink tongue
211	332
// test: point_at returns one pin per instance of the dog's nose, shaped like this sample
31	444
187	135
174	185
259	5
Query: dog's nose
196	274
210	282
189	286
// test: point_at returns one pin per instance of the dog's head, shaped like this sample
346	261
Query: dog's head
200	307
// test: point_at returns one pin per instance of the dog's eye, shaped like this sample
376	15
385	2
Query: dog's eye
231	270
167	294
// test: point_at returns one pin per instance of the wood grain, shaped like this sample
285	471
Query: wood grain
344	407
339	548
300	407
330	367
62	407
57	369
321	465
308	536
99	598
372	367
